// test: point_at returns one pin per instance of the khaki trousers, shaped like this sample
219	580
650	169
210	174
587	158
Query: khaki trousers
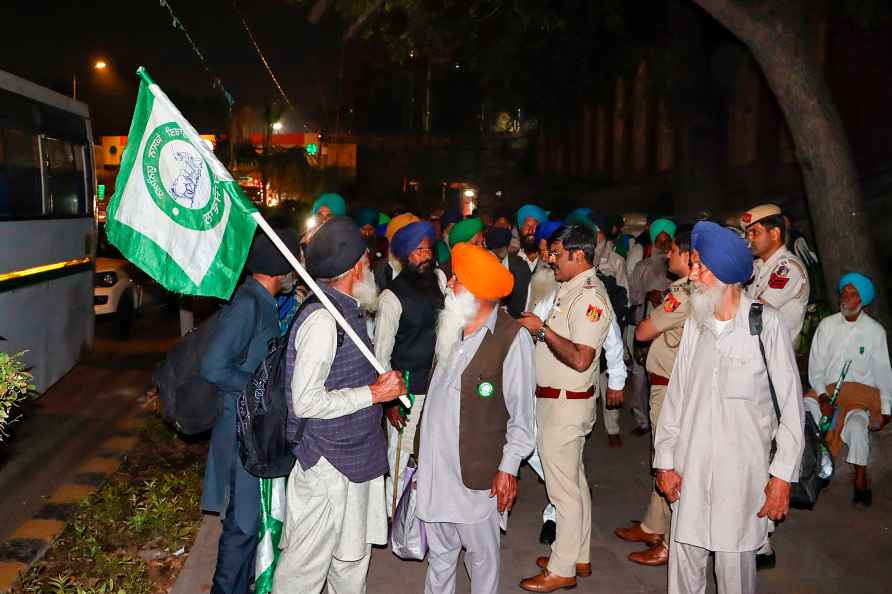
562	427
658	517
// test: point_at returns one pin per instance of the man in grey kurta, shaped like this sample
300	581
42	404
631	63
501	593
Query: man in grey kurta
455	515
714	433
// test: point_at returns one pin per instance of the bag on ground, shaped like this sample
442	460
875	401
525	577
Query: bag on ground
408	539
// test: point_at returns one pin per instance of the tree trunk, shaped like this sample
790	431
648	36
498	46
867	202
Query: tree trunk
775	33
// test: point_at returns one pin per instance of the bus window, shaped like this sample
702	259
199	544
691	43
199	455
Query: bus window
21	194
65	177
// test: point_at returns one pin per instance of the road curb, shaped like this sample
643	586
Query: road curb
32	538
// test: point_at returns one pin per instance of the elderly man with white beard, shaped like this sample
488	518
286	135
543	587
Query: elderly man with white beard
714	435
477	424
335	494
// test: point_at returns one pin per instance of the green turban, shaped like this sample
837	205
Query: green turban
661	225
442	252
464	230
335	202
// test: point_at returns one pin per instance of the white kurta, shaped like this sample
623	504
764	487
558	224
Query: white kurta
716	426
863	342
315	346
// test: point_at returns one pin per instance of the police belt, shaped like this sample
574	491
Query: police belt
546	392
658	380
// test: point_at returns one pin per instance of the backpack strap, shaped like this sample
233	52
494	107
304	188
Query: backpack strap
756	330
312	299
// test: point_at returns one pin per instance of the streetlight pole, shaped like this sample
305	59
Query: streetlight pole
98	65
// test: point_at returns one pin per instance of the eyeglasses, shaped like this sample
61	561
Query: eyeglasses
424	250
555	255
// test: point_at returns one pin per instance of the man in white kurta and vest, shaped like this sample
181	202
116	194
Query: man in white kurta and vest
523	264
714	435
335	494
849	349
477	426
405	334
663	329
568	346
781	279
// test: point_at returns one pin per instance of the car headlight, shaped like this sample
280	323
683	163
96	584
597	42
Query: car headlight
106	279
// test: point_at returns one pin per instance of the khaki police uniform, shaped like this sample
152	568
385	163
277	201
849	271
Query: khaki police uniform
565	413
669	320
781	281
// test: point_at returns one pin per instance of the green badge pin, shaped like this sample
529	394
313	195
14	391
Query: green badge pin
861	351
485	389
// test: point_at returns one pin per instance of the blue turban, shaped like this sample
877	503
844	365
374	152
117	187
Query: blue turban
722	251
547	229
450	216
661	225
365	216
335	202
583	212
862	284
530	210
406	240
381	230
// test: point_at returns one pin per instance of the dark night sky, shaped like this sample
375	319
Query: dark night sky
49	41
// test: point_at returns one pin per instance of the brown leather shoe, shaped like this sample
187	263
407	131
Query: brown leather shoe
582	569
547	582
654	556
636	534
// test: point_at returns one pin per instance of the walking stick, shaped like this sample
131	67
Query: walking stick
399	449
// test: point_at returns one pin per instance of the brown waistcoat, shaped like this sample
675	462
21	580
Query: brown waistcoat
483	421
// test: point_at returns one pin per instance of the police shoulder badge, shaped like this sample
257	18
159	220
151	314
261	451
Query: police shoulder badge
593	313
485	389
670	304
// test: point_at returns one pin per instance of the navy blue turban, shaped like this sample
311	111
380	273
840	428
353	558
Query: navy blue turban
406	240
497	237
450	216
723	252
547	229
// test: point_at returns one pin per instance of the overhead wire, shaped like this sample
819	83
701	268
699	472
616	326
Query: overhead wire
263	59
216	82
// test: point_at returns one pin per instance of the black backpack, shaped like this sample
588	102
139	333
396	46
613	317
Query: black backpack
804	492
262	410
619	298
188	401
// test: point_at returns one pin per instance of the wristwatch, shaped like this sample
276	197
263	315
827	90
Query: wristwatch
540	335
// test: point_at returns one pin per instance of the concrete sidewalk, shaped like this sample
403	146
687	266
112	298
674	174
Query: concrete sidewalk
834	549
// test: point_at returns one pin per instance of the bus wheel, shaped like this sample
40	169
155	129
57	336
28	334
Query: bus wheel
125	316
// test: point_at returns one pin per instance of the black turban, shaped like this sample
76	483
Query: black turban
335	248
265	258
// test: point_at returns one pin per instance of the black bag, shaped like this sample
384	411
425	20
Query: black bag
188	402
262	411
619	298
804	493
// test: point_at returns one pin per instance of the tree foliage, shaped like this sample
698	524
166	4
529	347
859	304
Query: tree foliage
528	53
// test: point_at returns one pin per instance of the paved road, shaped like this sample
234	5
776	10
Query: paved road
64	427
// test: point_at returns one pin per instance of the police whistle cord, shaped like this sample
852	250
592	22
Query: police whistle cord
215	80
323	298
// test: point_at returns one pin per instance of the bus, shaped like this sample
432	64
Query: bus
47	228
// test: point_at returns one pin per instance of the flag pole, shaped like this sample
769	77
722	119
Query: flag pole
323	298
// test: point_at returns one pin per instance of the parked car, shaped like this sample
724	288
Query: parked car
116	294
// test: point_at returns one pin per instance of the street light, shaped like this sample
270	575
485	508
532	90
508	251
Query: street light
277	126
98	65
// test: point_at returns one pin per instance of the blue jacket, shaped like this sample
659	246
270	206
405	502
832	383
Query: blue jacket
239	346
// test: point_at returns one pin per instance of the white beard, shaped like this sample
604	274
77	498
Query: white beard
366	292
458	312
848	313
705	301
542	284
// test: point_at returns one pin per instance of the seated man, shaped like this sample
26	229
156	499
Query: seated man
849	349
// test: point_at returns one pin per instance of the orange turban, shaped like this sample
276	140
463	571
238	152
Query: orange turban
398	222
480	272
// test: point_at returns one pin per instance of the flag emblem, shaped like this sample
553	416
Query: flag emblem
177	213
593	313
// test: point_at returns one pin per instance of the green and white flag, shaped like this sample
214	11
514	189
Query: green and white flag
177	213
272	515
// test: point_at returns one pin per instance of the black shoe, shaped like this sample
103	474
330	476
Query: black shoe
766	561
549	528
863	496
640	431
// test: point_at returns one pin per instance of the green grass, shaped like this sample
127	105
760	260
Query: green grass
149	505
